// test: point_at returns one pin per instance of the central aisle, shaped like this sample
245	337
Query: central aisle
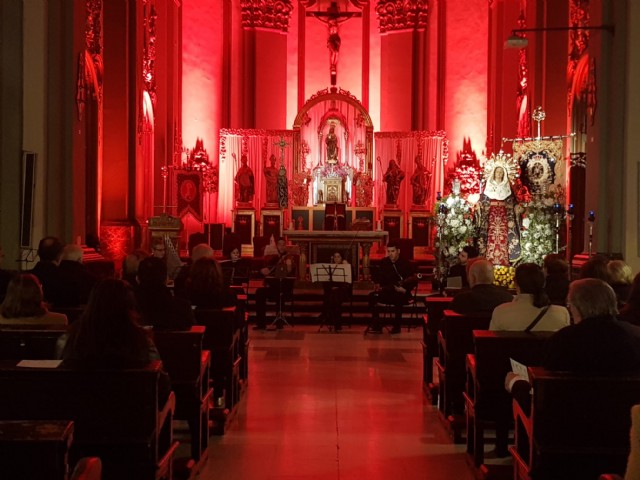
335	406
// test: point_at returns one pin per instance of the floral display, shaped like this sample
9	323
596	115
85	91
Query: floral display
504	276
538	234
456	228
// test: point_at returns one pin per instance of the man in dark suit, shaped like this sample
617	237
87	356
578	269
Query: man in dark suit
276	284
598	343
396	278
76	282
50	253
483	296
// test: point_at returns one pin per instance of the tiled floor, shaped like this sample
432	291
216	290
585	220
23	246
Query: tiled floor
335	406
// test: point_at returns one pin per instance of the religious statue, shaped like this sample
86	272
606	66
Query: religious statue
332	145
301	182
244	182
283	189
393	177
333	44
271	179
498	222
363	186
420	182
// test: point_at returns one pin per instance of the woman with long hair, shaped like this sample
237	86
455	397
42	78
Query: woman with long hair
24	304
108	334
531	309
205	286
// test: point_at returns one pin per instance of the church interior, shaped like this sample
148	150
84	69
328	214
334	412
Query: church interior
508	126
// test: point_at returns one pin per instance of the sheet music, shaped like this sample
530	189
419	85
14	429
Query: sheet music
519	369
330	272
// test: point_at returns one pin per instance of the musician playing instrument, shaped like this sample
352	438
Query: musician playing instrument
271	291
335	292
396	278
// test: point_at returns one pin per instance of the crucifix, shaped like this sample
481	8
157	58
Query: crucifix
332	17
281	144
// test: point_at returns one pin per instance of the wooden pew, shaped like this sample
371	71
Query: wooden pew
430	328
36	342
222	338
486	399
188	366
116	414
578	426
36	449
455	340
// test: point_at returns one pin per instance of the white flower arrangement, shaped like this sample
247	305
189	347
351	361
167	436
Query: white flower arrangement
456	228
538	235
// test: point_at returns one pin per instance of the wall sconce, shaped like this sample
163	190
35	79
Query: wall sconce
517	41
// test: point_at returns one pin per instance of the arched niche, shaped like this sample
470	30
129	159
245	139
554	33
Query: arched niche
337	109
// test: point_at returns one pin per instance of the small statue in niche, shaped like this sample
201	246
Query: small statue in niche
271	180
393	177
420	183
244	182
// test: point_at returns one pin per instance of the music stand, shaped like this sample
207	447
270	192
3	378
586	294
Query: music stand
279	274
332	273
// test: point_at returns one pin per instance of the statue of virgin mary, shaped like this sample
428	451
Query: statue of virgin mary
499	225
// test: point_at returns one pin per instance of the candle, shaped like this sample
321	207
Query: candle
379	225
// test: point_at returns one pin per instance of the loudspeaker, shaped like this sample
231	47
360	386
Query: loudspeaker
27	193
217	234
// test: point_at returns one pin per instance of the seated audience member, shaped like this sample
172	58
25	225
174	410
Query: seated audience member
556	279
107	334
202	250
598	343
530	310
5	277
335	292
205	287
460	268
630	312
50	253
76	281
273	264
620	279
130	266
157	306
396	279
483	296
24	304
595	267
235	269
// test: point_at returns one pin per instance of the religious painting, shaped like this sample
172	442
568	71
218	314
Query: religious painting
244	226
537	160
419	227
300	218
189	195
392	223
271	223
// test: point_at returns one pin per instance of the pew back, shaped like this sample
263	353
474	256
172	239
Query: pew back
115	413
578	426
34	343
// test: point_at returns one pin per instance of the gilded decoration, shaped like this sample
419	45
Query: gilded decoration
402	15
149	50
89	77
269	14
